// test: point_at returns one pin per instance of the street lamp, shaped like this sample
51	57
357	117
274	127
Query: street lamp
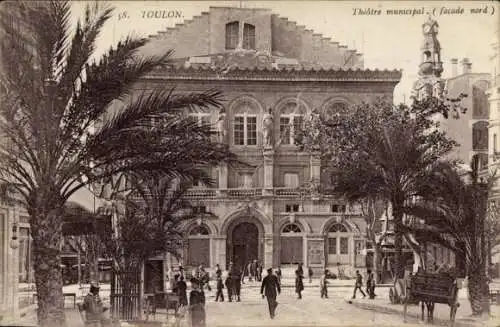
14	242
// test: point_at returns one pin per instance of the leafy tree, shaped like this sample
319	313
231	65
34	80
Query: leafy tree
453	206
53	95
379	151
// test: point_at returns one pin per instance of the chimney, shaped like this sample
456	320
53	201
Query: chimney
454	67
466	66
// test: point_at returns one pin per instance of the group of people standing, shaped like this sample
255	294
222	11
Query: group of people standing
253	271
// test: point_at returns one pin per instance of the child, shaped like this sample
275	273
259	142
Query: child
220	287
299	285
197	305
323	283
229	287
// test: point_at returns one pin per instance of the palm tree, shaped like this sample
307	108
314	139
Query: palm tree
379	152
453	208
67	122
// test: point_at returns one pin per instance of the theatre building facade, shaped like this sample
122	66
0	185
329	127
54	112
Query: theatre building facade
272	73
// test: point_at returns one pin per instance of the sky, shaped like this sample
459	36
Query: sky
387	41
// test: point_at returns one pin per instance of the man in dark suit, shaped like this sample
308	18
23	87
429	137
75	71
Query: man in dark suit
270	288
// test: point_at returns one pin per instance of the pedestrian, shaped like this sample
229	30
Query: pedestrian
220	287
299	285
358	285
93	307
310	274
182	291
323	284
370	284
236	277
229	287
197	304
259	270
249	271
218	270
300	269
175	284
278	274
270	289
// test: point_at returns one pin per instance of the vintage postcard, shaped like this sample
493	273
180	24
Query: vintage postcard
249	163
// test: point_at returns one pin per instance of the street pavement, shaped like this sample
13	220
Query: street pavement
311	310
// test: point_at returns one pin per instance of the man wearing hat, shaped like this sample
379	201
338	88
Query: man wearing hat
197	304
270	288
94	310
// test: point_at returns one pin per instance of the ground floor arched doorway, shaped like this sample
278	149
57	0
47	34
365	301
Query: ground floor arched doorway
243	244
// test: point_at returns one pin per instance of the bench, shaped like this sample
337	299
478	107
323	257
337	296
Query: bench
430	288
65	295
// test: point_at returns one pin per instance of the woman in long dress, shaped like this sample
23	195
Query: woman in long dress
197	305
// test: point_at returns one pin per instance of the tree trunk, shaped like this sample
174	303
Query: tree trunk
478	290
46	230
398	237
376	262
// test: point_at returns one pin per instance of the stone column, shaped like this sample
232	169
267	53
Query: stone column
315	165
268	171
223	172
220	250
268	250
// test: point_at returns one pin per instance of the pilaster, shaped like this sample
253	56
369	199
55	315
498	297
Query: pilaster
223	175
268	250
268	171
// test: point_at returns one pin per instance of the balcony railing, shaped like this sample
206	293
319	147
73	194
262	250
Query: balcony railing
201	193
243	192
211	193
289	192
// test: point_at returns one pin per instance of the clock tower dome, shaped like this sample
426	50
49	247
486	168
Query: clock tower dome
429	82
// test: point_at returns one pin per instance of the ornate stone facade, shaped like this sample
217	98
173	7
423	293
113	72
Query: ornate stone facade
277	212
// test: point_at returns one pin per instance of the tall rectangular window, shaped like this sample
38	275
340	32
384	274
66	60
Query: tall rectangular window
239	130
344	245
291	180
251	130
248	37
285	130
290	126
332	245
245	130
232	33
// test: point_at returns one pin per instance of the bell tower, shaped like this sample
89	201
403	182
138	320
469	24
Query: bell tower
429	82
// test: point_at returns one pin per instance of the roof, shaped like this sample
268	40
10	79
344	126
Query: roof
251	64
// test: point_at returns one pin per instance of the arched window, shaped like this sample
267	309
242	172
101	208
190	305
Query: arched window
337	228
248	37
335	108
291	244
198	251
292	228
199	230
245	124
291	121
232	33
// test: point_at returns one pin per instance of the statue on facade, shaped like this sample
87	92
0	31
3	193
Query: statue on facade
221	126
267	127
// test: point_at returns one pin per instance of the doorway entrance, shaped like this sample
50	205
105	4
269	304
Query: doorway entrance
244	244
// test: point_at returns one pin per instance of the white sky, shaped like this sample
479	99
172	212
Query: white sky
391	42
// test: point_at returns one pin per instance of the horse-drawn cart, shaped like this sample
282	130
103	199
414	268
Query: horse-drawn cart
430	288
